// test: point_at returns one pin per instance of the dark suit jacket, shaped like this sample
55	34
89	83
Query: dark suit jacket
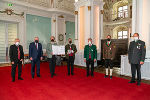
13	53
73	47
33	52
136	52
92	50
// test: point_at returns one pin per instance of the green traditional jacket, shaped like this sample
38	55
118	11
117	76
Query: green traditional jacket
91	50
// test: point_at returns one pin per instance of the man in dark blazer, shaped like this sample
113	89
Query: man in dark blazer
136	56
70	50
90	56
16	57
35	54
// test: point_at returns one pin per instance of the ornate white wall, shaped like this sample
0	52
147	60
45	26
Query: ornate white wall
24	6
141	21
88	24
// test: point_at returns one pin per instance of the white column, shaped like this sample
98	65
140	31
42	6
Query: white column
53	26
134	14
87	24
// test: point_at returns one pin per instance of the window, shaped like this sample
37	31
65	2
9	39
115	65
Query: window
122	34
123	11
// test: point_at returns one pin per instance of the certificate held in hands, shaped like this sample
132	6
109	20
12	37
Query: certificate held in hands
58	50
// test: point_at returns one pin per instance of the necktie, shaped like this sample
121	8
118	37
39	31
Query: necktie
90	52
18	53
36	46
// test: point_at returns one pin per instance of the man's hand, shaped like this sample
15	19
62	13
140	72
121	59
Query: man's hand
21	59
51	53
104	58
141	63
12	63
84	60
94	60
41	58
31	58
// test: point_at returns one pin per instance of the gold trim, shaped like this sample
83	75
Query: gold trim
76	12
89	8
102	11
54	20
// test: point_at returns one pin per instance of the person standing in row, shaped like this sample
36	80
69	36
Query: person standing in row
90	56
50	56
109	50
35	55
70	50
16	57
136	56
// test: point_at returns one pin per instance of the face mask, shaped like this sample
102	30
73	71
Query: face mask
90	42
70	42
17	43
36	41
108	39
52	40
136	39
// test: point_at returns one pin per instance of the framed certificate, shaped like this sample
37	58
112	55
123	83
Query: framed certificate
58	50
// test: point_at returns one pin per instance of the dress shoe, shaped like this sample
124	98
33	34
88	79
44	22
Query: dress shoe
87	75
32	77
51	76
54	74
38	75
131	82
105	76
13	80
19	78
138	83
110	77
72	73
92	75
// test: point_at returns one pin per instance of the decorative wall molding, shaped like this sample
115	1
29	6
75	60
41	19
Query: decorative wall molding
11	12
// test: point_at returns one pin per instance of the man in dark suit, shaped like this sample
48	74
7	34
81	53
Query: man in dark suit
70	50
109	50
136	56
35	54
16	57
90	56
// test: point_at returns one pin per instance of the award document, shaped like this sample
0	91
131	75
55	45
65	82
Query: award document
58	50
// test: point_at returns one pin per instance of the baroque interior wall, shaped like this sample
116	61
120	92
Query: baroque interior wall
38	26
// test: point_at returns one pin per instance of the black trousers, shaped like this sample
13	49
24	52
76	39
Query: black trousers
88	63
52	64
70	65
13	69
108	62
134	68
37	62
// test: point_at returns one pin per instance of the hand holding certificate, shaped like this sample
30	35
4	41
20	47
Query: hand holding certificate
70	51
58	50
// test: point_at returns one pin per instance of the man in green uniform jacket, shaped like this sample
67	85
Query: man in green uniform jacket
90	56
